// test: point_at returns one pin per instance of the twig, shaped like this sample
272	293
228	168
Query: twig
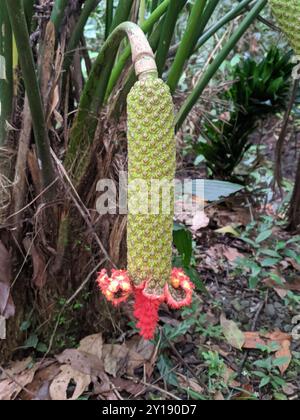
34	200
163	391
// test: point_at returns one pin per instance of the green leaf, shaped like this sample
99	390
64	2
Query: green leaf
31	342
164	367
183	242
279	381
25	326
265	381
253	282
263	236
42	348
194	395
280	397
281	361
270	262
259	374
270	253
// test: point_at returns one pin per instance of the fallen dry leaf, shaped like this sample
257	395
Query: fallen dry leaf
228	377
219	396
142	352
16	368
231	253
115	359
247	392
234	336
10	389
284	352
93	344
79	366
200	220
60	384
253	339
126	358
283	289
40	385
189	383
128	386
294	264
83	362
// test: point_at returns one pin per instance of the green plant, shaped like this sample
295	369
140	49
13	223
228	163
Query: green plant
269	368
268	252
216	371
260	88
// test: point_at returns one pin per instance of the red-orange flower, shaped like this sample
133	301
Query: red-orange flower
116	288
180	290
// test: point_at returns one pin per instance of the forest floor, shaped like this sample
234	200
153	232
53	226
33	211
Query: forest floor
239	340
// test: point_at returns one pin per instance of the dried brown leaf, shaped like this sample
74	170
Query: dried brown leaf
83	362
234	336
60	385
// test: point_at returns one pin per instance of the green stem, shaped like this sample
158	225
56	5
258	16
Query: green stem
117	106
20	30
167	33
89	7
109	15
83	130
209	10
121	14
187	44
232	14
58	13
154	5
6	72
146	27
215	65
142	12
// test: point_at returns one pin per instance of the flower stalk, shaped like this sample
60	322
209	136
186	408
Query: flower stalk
151	157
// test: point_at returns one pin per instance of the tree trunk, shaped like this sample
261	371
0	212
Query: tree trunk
294	209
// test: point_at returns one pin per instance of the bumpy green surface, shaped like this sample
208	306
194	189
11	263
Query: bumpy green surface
287	13
151	156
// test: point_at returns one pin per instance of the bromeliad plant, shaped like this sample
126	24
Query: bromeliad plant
152	157
260	89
